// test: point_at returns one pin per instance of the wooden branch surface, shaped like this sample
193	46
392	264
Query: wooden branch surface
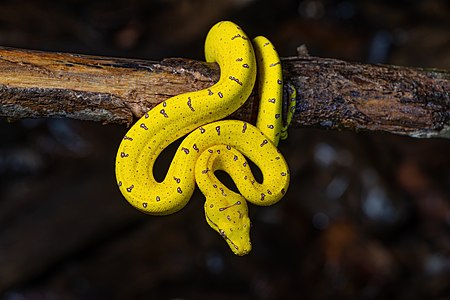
332	94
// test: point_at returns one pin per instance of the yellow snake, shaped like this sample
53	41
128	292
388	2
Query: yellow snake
212	145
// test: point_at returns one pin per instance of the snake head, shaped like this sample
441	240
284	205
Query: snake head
230	219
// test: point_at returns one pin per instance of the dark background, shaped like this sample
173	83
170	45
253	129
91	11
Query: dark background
367	215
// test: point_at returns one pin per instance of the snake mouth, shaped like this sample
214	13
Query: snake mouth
235	248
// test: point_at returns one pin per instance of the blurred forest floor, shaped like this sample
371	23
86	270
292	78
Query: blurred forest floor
367	215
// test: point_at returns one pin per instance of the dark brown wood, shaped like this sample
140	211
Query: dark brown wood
336	94
332	94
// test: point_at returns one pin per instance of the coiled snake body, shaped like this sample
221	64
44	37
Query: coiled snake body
212	145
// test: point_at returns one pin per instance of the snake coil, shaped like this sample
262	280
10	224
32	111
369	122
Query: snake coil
211	144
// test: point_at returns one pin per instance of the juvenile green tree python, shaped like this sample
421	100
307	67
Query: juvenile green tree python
213	145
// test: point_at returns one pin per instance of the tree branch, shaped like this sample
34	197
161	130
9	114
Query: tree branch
332	94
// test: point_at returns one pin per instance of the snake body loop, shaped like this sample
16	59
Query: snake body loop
212	145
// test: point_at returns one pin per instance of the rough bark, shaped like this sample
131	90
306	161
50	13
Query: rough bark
332	94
